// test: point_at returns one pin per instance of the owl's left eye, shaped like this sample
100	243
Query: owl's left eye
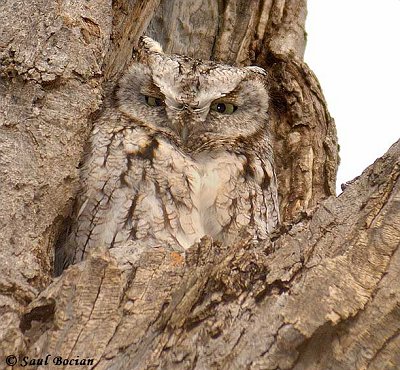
224	108
153	101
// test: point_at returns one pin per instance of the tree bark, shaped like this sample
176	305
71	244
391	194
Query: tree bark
322	294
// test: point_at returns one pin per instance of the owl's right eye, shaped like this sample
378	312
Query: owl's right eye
152	101
224	108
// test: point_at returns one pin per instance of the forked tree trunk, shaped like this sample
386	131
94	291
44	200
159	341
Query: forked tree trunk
323	294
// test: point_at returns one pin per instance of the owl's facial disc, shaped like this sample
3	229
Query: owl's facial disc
196	103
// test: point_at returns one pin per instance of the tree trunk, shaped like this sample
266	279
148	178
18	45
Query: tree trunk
323	294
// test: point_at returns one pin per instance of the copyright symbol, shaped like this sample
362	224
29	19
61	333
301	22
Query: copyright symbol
11	360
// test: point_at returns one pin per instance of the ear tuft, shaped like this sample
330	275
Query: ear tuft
147	44
256	69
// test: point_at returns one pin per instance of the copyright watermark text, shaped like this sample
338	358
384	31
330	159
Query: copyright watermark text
12	360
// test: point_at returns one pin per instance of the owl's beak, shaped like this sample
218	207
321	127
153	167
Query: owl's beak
183	122
181	130
184	134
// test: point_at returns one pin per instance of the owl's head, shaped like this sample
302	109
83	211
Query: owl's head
199	104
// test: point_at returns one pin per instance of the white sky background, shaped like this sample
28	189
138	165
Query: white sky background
353	46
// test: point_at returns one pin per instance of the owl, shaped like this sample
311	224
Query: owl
182	151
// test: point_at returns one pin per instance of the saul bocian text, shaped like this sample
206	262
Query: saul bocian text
55	360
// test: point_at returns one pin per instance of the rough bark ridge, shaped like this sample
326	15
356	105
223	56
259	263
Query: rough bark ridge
323	294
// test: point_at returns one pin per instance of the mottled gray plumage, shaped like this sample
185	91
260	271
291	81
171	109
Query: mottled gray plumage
183	152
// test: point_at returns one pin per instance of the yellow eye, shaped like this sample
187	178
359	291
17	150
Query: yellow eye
153	101
224	108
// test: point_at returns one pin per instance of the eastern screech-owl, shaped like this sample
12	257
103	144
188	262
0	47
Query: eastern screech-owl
182	152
